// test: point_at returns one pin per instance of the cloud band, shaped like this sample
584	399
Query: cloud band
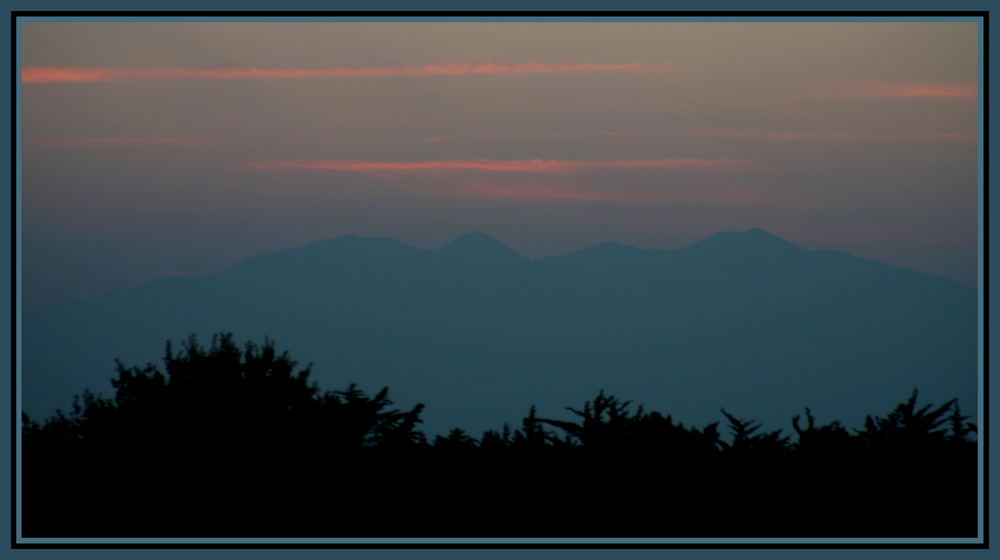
900	90
518	166
54	74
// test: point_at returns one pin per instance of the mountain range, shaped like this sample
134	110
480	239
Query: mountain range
741	320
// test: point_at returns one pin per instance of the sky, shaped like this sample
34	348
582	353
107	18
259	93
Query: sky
172	148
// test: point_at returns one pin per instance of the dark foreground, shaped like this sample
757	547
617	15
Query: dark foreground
205	495
232	443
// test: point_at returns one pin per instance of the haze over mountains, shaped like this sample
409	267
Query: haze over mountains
745	321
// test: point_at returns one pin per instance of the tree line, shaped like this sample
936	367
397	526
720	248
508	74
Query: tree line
250	446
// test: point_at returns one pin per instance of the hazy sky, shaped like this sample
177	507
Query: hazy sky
181	148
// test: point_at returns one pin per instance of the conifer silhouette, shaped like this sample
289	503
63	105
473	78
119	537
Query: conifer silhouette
252	447
744	442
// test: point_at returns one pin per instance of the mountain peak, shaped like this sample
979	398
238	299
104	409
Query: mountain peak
323	243
478	245
471	237
753	239
759	233
473	241
607	248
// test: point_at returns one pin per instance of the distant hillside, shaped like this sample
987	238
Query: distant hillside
747	321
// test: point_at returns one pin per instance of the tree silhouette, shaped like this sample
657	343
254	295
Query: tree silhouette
251	447
830	439
745	442
532	437
960	429
352	420
654	433
456	442
495	441
907	428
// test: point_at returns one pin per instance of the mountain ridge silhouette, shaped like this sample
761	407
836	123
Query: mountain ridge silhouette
479	333
471	243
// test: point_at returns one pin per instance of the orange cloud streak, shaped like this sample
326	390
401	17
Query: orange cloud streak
51	74
115	141
902	90
522	166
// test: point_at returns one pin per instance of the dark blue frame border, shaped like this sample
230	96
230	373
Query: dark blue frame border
981	16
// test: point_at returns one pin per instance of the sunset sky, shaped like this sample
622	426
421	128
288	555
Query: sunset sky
153	149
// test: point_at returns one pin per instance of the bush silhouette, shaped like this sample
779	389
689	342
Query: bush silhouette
251	447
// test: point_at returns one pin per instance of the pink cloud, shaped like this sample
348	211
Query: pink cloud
51	74
114	141
930	90
520	166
